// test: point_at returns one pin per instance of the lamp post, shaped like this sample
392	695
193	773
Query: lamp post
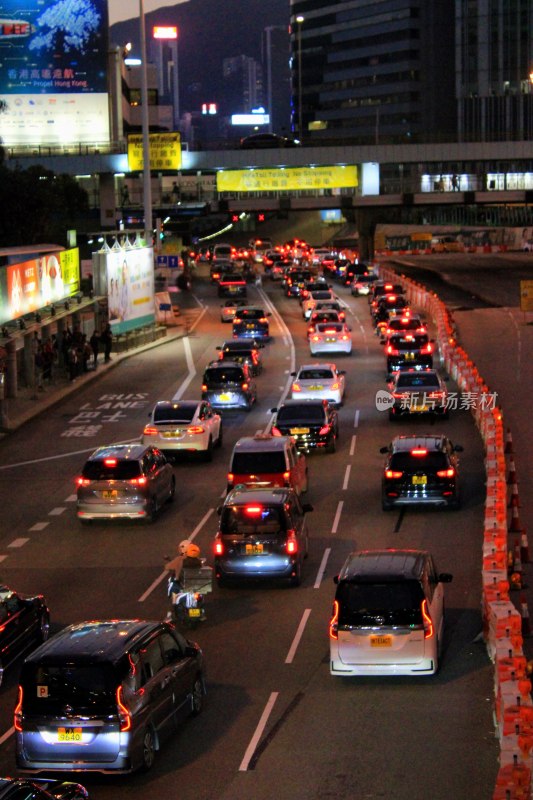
299	20
145	118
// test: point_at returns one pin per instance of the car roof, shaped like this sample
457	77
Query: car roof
126	452
320	365
416	373
274	496
261	441
406	443
93	641
224	364
240	344
179	404
310	402
383	565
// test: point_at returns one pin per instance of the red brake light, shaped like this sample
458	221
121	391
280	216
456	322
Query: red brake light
286	476
204	387
345	337
388	287
244	386
237	319
324	430
110	462
292	543
296	387
389	473
195	429
275	431
428	622
17	721
419	451
333	625
262	319
253	511
123	713
140	481
230	477
391	298
316	338
330	330
446	473
219	548
81	481
150	430
428	348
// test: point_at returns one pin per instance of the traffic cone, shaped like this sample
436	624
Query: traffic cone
508	442
514	502
524	547
516	525
524	613
511	478
517	561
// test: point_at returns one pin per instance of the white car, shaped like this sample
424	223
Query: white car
362	284
319	381
187	426
229	309
331	337
308	305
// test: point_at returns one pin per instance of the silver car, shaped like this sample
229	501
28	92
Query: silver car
126	480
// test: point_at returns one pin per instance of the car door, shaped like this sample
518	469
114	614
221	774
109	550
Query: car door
434	591
156	683
297	467
162	474
18	620
180	672
298	524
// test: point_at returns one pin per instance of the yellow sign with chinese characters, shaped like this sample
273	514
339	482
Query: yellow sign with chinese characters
526	295
165	151
289	179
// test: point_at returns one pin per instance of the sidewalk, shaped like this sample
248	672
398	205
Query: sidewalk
31	401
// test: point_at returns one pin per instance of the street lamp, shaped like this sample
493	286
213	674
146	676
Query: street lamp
147	175
299	20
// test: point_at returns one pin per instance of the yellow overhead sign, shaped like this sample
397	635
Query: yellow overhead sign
165	151
290	179
526	295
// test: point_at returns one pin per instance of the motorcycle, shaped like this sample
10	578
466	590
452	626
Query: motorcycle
187	595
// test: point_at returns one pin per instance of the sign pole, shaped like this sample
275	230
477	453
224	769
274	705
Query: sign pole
147	176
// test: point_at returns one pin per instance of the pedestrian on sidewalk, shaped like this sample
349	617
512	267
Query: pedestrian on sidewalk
72	361
107	340
94	341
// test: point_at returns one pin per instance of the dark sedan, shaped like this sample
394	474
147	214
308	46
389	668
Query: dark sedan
251	322
24	624
314	424
41	789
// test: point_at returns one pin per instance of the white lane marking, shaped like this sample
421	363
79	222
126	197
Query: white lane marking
71	498
39	526
3	558
352	444
337	516
286	372
191	368
322	568
20	542
5	736
292	352
56	512
250	750
223	493
362	329
356	419
48	458
190	538
297	637
346	477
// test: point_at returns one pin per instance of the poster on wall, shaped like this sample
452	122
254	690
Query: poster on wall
53	72
130	288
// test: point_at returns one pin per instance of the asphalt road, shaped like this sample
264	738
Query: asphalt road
266	647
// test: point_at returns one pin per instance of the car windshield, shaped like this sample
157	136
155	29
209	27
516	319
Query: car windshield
427	462
417	380
86	688
258	462
316	375
111	469
251	313
379	603
404	325
322	295
251	518
222	376
303	413
174	413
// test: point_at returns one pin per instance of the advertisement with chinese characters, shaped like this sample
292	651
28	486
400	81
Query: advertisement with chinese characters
130	288
53	73
165	151
290	179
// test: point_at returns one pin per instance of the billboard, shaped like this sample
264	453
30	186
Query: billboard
130	288
33	284
265	180
53	72
165	151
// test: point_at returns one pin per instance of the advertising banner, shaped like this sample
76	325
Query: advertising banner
165	151
53	73
130	288
290	179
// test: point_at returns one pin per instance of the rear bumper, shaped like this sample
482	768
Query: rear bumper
425	667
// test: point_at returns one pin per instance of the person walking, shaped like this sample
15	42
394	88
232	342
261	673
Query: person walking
94	341
107	340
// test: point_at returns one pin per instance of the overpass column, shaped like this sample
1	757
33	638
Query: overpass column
108	202
366	224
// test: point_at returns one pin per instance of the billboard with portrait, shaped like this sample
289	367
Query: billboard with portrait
53	72
130	288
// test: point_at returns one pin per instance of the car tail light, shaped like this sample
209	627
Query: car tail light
218	547
391	351
292	543
388	287
230	477
426	619
330	330
393	474
296	387
345	337
287	477
262	319
195	429
204	387
150	430
335	386
81	481
110	462
446	473
316	338
324	430
419	451
427	348
311	328
333	625
275	431
391	298
253	511
17	716
123	713
142	480
237	319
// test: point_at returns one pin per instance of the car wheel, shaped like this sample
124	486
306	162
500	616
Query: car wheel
151	515
172	492
331	445
197	696
44	628
296	579
220	436
386	506
208	454
148	754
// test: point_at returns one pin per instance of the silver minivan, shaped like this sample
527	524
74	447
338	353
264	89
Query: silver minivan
388	614
101	696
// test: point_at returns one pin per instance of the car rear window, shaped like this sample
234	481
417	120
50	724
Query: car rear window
380	603
98	470
174	413
253	518
251	313
328	327
301	414
321	295
315	374
259	462
86	688
417	380
400	325
409	343
219	377
407	462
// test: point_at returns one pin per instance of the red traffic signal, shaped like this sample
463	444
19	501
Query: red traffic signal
261	216
234	217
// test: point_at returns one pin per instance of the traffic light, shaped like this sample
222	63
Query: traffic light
260	216
234	218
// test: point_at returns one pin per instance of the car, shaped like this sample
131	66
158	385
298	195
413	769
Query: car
331	337
420	470
223	252
259	141
408	350
227	384
418	392
330	305
229	309
360	286
317	295
381	288
389	305
312	285
296	281
103	695
41	789
323	316
24	624
400	323
251	323
341	267
319	253
232	284
388	614
262	534
313	424
242	351
219	268
319	381
266	460
184	426
131	481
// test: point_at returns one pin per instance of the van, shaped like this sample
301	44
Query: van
265	460
222	252
102	696
388	614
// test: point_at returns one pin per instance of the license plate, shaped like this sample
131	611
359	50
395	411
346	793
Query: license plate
110	494
409	356
172	434
419	408
330	340
233	289
419	480
295	431
69	735
195	612
250	326
224	397
316	388
381	641
253	549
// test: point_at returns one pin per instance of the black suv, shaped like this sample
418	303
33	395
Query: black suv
242	351
229	385
262	534
420	470
24	623
314	424
409	350
251	322
232	284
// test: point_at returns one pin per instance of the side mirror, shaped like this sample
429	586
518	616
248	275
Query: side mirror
274	410
307	507
219	510
383	450
293	374
458	448
383	341
268	314
445	577
218	347
336	579
341	372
